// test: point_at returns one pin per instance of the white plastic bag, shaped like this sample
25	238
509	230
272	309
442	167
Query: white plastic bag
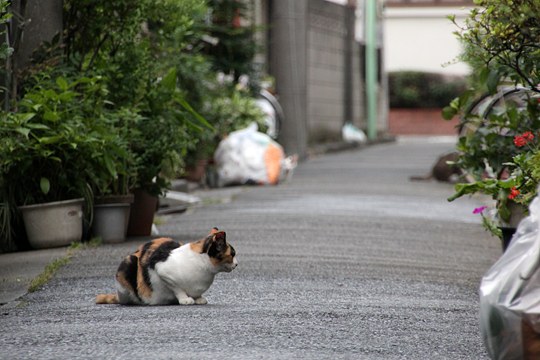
510	295
352	134
248	156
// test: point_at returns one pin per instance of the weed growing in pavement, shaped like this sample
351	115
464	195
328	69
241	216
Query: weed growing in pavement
49	272
52	268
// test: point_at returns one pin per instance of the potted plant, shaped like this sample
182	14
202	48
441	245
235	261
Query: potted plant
512	190
159	137
47	155
113	179
499	152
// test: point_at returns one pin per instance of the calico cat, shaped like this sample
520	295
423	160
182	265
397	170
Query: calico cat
163	271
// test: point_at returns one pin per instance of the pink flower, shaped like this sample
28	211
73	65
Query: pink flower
479	210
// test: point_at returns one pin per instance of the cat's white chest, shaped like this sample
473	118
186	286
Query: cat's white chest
187	270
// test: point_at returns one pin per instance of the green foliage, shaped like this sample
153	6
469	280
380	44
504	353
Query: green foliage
490	156
114	102
5	15
136	54
115	26
502	36
490	145
159	134
233	112
62	143
236	47
413	89
501	43
56	142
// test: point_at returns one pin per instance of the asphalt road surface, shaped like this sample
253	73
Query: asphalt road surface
348	260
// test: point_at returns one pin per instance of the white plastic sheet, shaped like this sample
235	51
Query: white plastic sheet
510	295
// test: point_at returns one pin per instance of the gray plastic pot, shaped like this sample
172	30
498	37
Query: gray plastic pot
53	224
110	221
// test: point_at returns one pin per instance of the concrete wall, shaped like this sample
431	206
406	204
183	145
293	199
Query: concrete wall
421	38
308	46
287	60
329	46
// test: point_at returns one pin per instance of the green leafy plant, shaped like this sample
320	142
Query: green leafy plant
497	164
235	48
501	38
160	135
54	141
5	15
499	150
516	184
488	145
112	103
59	145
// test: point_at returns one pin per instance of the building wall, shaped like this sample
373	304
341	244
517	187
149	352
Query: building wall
287	64
325	70
333	85
421	38
318	89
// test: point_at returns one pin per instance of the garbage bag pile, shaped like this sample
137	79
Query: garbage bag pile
248	156
510	295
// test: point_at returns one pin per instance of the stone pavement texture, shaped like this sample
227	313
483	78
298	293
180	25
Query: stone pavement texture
348	260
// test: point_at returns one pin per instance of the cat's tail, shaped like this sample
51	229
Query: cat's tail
107	299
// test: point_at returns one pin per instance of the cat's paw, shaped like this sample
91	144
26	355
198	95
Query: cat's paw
186	301
201	301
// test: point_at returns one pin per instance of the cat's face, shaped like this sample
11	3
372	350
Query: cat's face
221	253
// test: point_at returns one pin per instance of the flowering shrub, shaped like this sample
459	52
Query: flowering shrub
517	183
499	148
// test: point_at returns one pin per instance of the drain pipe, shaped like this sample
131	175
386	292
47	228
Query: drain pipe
371	68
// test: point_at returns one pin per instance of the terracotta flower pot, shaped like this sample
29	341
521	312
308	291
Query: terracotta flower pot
142	214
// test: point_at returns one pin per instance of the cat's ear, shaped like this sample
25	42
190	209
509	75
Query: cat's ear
218	244
214	231
220	239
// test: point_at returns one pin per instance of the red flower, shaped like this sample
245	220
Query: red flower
513	193
519	141
523	139
528	135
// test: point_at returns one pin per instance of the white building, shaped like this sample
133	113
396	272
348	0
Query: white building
419	36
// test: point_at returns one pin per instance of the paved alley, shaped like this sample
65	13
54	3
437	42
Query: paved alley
348	260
